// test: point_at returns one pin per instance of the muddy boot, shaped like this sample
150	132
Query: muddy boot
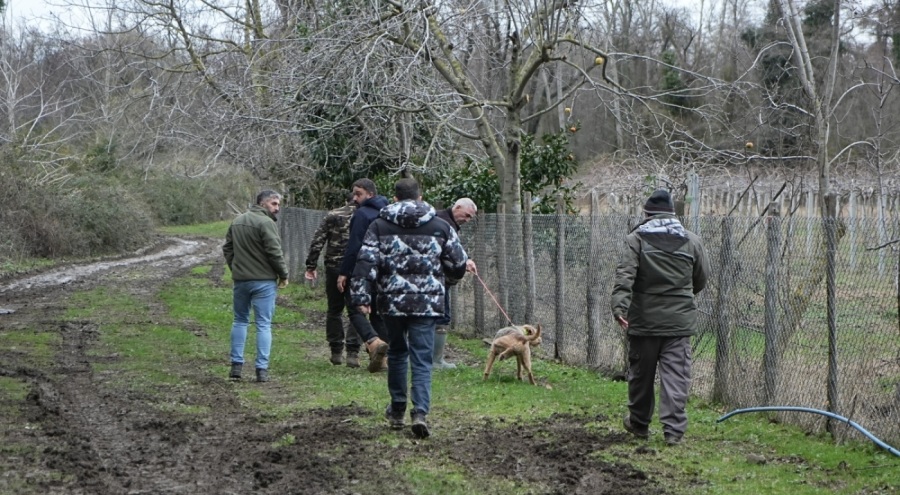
337	357
440	340
262	375
352	359
420	425
377	350
235	373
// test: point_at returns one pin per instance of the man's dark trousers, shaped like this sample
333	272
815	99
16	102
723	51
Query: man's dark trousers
334	321
673	357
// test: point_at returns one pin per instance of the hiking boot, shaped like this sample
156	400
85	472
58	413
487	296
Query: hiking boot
377	350
235	373
352	360
262	375
337	358
419	425
673	439
394	417
384	365
642	433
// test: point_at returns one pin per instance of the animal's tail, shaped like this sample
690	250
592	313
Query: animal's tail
535	335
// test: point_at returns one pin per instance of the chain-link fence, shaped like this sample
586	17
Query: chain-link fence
767	334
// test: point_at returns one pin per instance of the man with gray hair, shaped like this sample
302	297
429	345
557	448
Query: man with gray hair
253	253
461	213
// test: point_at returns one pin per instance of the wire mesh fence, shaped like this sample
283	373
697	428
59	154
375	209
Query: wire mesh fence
766	334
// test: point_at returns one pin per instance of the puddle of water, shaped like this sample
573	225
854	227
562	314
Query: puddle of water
70	274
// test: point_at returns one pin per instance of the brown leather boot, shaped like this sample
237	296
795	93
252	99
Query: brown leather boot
377	350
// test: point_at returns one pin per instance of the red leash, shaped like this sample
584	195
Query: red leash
494	298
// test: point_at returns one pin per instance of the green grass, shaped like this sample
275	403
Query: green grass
716	458
162	347
215	229
39	345
23	265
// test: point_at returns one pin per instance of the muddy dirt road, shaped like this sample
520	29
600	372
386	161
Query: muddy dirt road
73	433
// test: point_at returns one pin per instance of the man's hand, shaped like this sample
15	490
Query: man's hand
364	309
470	267
282	283
622	322
342	283
310	275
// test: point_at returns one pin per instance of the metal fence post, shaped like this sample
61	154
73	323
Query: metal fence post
593	285
772	327
480	250
502	257
723	323
560	276
830	283
528	248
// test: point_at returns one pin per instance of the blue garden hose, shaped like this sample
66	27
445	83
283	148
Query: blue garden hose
862	430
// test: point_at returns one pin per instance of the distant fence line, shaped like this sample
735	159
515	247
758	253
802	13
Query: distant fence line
766	333
853	203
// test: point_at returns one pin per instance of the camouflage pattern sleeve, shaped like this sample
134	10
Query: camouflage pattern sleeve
318	242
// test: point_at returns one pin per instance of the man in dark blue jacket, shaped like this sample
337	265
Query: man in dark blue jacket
371	330
405	257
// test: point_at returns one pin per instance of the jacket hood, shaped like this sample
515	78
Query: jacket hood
663	231
377	202
408	214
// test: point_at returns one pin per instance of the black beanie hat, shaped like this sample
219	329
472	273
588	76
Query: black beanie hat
659	202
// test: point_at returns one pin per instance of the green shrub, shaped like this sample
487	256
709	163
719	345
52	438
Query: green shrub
179	200
82	218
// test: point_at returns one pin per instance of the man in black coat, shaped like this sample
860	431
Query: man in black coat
462	211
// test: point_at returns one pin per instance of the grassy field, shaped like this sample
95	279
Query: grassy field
748	454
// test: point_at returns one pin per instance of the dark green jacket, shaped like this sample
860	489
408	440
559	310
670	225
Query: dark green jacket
662	268
332	234
253	247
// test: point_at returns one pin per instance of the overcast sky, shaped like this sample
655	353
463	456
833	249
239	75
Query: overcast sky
30	8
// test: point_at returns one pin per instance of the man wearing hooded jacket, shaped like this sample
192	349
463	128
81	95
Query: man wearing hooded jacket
660	272
401	269
371	330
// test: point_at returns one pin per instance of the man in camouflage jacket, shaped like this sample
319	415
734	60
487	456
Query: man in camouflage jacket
332	235
405	256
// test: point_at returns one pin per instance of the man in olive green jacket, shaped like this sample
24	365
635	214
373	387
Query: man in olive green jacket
661	270
253	253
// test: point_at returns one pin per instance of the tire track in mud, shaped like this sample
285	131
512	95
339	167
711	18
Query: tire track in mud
110	442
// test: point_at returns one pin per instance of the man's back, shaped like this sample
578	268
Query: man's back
332	235
664	266
405	253
253	247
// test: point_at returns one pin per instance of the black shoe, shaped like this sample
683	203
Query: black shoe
235	371
394	417
673	439
642	433
262	375
337	357
419	425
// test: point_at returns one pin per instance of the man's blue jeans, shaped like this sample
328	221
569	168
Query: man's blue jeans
260	294
410	348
